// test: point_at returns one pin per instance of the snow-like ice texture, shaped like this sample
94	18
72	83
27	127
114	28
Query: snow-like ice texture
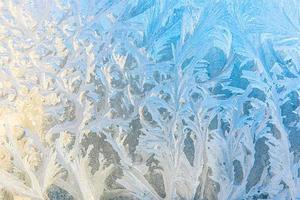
149	99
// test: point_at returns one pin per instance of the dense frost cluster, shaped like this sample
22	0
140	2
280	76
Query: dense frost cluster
149	99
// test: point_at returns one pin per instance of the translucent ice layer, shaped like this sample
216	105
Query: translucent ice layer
149	99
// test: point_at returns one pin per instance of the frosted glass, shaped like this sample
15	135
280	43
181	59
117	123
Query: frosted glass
149	99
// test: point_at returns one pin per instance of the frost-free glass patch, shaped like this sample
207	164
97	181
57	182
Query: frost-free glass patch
149	99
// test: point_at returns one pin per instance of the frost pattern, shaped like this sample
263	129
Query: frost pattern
149	99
